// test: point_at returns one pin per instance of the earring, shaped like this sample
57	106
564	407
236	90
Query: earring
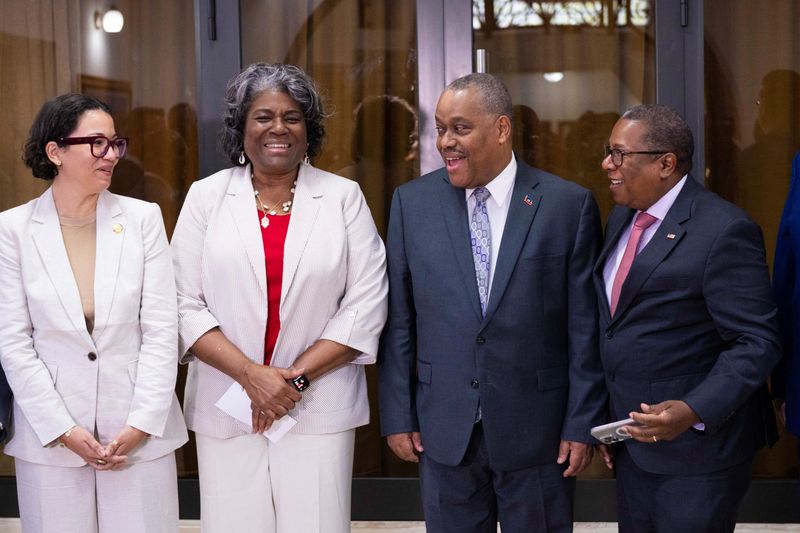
306	160
57	163
242	160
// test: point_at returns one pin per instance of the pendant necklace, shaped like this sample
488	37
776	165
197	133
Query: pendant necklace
285	206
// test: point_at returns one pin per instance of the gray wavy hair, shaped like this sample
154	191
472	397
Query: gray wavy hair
260	77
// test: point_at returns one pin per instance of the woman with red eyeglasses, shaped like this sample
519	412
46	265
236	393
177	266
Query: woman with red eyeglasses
88	338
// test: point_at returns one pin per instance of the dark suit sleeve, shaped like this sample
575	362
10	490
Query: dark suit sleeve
739	300
784	282
5	406
397	355
588	396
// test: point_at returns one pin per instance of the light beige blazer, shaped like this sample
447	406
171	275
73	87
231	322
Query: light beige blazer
334	287
124	372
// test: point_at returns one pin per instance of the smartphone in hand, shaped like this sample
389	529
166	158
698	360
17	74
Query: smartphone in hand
613	432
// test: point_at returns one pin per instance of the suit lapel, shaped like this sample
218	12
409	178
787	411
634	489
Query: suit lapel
454	211
108	256
46	235
525	201
305	209
668	235
619	219
241	204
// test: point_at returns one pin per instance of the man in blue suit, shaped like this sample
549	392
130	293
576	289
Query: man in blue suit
5	407
786	284
688	333
489	371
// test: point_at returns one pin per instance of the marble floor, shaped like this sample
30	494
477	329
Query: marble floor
585	527
11	525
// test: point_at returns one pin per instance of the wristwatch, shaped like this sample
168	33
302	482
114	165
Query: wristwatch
301	382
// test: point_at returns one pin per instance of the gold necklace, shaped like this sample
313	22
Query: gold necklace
285	205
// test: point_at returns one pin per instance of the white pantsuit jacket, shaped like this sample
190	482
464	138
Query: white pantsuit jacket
334	287
121	374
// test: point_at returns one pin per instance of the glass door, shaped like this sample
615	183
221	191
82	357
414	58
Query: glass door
571	68
752	130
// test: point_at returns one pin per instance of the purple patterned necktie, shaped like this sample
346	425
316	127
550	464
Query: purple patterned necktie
481	237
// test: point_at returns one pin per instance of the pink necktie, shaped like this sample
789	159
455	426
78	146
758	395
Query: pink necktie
642	222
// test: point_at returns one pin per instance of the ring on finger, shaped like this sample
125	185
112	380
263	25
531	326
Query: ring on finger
114	442
262	413
101	461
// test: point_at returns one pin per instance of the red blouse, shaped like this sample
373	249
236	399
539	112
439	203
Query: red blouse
274	237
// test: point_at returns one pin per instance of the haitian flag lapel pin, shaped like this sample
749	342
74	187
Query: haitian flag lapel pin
527	200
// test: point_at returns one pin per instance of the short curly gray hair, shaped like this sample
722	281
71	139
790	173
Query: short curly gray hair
260	77
495	98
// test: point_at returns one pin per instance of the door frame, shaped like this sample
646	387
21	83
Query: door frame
219	58
680	81
444	52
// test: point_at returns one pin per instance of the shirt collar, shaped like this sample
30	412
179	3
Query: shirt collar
663	205
500	187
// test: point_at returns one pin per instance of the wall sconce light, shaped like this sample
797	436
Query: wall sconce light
553	77
111	21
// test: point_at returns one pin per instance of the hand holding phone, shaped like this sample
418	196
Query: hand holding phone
614	431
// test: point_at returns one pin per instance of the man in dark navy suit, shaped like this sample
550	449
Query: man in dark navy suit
489	371
688	333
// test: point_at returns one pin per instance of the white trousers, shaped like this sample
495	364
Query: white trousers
301	484
141	498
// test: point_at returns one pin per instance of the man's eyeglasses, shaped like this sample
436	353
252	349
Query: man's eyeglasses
618	155
99	144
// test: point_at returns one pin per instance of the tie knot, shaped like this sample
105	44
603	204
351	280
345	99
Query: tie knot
644	220
481	194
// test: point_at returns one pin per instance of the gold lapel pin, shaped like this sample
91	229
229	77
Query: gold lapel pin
117	228
670	235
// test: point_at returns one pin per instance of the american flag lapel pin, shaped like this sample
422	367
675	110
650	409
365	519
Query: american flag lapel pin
527	200
670	235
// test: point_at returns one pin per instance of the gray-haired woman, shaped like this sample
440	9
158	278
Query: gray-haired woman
282	293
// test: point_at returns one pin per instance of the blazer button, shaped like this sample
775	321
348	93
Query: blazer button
480	341
609	334
92	356
474	384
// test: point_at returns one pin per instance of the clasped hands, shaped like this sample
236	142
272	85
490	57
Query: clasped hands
270	392
110	457
659	422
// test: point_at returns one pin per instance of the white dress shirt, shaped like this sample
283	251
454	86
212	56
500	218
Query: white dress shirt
659	211
497	209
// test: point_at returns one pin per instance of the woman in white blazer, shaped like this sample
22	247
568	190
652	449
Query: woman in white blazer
281	290
88	338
